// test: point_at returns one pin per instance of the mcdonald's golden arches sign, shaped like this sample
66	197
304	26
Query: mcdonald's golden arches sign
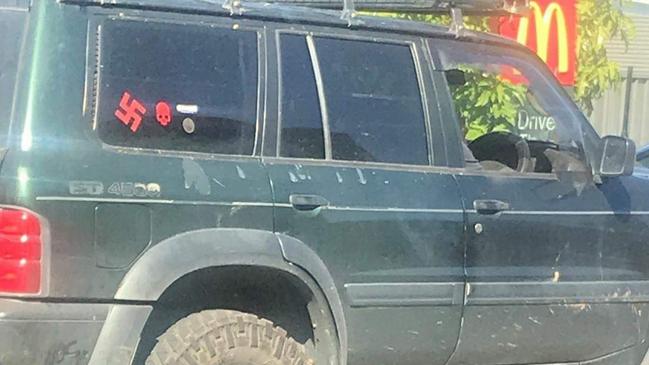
550	29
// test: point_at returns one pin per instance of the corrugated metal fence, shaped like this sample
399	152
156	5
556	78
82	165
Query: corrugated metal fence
607	117
609	111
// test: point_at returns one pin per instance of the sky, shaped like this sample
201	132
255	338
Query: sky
639	7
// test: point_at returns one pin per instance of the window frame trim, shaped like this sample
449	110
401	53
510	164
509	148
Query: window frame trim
359	164
322	98
412	42
92	93
315	68
432	169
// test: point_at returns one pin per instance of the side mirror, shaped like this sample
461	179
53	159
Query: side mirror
618	157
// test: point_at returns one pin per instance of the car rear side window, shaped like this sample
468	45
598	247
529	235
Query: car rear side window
12	24
374	103
177	87
300	119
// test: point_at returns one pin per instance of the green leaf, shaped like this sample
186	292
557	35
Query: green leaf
483	99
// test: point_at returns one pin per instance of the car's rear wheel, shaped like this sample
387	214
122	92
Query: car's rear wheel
226	337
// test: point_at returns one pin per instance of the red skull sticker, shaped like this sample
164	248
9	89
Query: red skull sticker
163	113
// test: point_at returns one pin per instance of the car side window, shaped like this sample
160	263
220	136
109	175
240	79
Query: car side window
510	114
177	87
374	103
301	132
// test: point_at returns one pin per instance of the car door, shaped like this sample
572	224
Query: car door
350	164
551	251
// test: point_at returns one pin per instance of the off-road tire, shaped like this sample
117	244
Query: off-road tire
225	337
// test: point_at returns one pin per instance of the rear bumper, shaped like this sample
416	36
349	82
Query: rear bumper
48	333
37	333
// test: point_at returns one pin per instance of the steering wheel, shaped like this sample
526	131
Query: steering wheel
503	147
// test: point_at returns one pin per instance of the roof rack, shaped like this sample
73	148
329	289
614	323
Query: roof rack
477	7
457	8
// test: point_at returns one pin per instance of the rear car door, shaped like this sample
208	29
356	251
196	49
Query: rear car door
349	156
553	256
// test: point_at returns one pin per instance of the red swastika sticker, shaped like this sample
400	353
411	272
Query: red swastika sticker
130	111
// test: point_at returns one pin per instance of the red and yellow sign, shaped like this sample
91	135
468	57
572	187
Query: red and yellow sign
550	29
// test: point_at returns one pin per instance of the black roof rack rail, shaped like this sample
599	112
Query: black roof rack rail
468	7
456	8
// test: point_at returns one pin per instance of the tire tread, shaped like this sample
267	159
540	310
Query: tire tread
200	338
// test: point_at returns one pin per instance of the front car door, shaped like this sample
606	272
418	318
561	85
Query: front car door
556	260
350	165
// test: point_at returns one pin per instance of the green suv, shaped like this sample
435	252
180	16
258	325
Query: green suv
187	183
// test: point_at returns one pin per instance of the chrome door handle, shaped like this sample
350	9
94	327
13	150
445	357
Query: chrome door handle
489	206
307	201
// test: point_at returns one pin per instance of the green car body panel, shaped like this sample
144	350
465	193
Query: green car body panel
384	251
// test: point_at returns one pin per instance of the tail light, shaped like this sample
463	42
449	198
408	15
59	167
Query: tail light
21	253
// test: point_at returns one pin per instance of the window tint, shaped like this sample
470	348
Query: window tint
373	100
178	87
300	119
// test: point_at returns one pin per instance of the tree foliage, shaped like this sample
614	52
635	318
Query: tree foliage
487	103
490	95
599	22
